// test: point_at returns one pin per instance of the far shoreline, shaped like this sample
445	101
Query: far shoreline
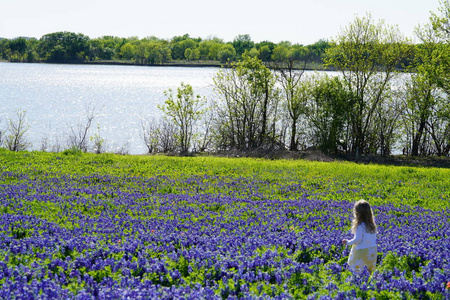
200	64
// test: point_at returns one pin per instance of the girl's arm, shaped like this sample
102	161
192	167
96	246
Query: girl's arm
358	236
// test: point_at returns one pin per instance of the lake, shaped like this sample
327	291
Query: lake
56	99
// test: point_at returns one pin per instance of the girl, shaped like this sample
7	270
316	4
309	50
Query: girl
364	242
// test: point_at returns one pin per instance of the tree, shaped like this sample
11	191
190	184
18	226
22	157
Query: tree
427	93
265	50
317	50
79	137
284	60
368	56
242	43
208	49
420	98
441	31
280	53
265	53
328	112
159	53
249	102
141	52
179	48
184	109
159	136
18	48
296	92
226	53
127	51
16	132
192	54
64	47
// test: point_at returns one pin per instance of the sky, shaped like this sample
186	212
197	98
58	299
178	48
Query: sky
297	21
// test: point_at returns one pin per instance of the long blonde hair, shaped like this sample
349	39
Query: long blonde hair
362	213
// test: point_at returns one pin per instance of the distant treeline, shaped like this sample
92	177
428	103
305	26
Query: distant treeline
69	47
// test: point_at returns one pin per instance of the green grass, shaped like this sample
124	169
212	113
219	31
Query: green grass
271	179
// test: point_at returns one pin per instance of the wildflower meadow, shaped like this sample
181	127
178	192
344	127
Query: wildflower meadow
86	226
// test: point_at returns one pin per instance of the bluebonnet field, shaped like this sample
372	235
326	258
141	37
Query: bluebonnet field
80	226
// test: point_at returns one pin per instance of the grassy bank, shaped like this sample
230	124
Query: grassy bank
274	179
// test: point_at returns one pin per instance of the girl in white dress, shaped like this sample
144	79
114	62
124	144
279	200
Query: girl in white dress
364	242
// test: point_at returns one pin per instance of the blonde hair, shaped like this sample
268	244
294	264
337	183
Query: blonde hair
362	213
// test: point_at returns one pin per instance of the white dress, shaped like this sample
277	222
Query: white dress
364	249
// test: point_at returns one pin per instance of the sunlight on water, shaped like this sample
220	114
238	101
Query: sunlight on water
56	98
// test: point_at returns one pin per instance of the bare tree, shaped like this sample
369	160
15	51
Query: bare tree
2	135
17	129
203	142
159	135
167	137
149	134
79	137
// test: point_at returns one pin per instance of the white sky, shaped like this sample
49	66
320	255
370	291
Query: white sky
297	21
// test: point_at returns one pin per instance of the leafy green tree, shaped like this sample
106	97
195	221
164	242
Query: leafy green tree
242	43
192	54
328	112
246	116
177	39
317	50
179	48
159	53
127	51
419	102
368	56
31	53
214	50
427	93
296	93
265	53
285	61
96	48
439	36
253	52
141	52
210	48
18	48
184	109
226	53
111	46
280	53
64	47
4	48
265	49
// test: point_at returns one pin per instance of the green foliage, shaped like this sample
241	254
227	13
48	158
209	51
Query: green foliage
408	264
247	113
329	109
63	47
368	54
226	53
184	110
242	43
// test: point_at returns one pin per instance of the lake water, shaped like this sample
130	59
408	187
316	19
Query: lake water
56	98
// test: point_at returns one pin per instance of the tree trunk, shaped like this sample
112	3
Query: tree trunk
416	140
293	145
